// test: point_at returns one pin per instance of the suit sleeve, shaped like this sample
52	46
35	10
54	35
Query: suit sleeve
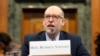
81	51
25	47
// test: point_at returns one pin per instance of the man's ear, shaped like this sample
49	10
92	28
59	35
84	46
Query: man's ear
43	22
63	22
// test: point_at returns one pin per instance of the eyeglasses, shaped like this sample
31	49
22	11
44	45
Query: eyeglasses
53	17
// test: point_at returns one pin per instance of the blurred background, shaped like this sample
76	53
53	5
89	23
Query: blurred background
21	17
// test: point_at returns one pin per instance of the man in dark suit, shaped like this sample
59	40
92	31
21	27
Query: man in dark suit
52	22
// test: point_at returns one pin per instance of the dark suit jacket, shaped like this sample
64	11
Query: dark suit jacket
77	48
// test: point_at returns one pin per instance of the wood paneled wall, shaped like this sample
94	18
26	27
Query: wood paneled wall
95	23
3	16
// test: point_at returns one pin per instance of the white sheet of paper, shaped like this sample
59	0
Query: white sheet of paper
61	47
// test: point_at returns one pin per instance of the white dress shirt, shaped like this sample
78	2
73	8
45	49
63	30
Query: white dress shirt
49	39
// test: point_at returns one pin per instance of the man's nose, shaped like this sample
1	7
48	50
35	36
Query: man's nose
50	19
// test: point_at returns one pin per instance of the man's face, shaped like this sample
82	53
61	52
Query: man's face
53	21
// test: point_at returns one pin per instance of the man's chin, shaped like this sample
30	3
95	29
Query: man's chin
52	31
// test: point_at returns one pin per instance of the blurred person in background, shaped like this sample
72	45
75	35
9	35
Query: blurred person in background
6	44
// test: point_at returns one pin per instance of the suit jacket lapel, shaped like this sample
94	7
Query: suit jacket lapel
63	36
42	36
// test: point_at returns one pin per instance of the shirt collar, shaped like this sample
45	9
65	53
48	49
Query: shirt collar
49	39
